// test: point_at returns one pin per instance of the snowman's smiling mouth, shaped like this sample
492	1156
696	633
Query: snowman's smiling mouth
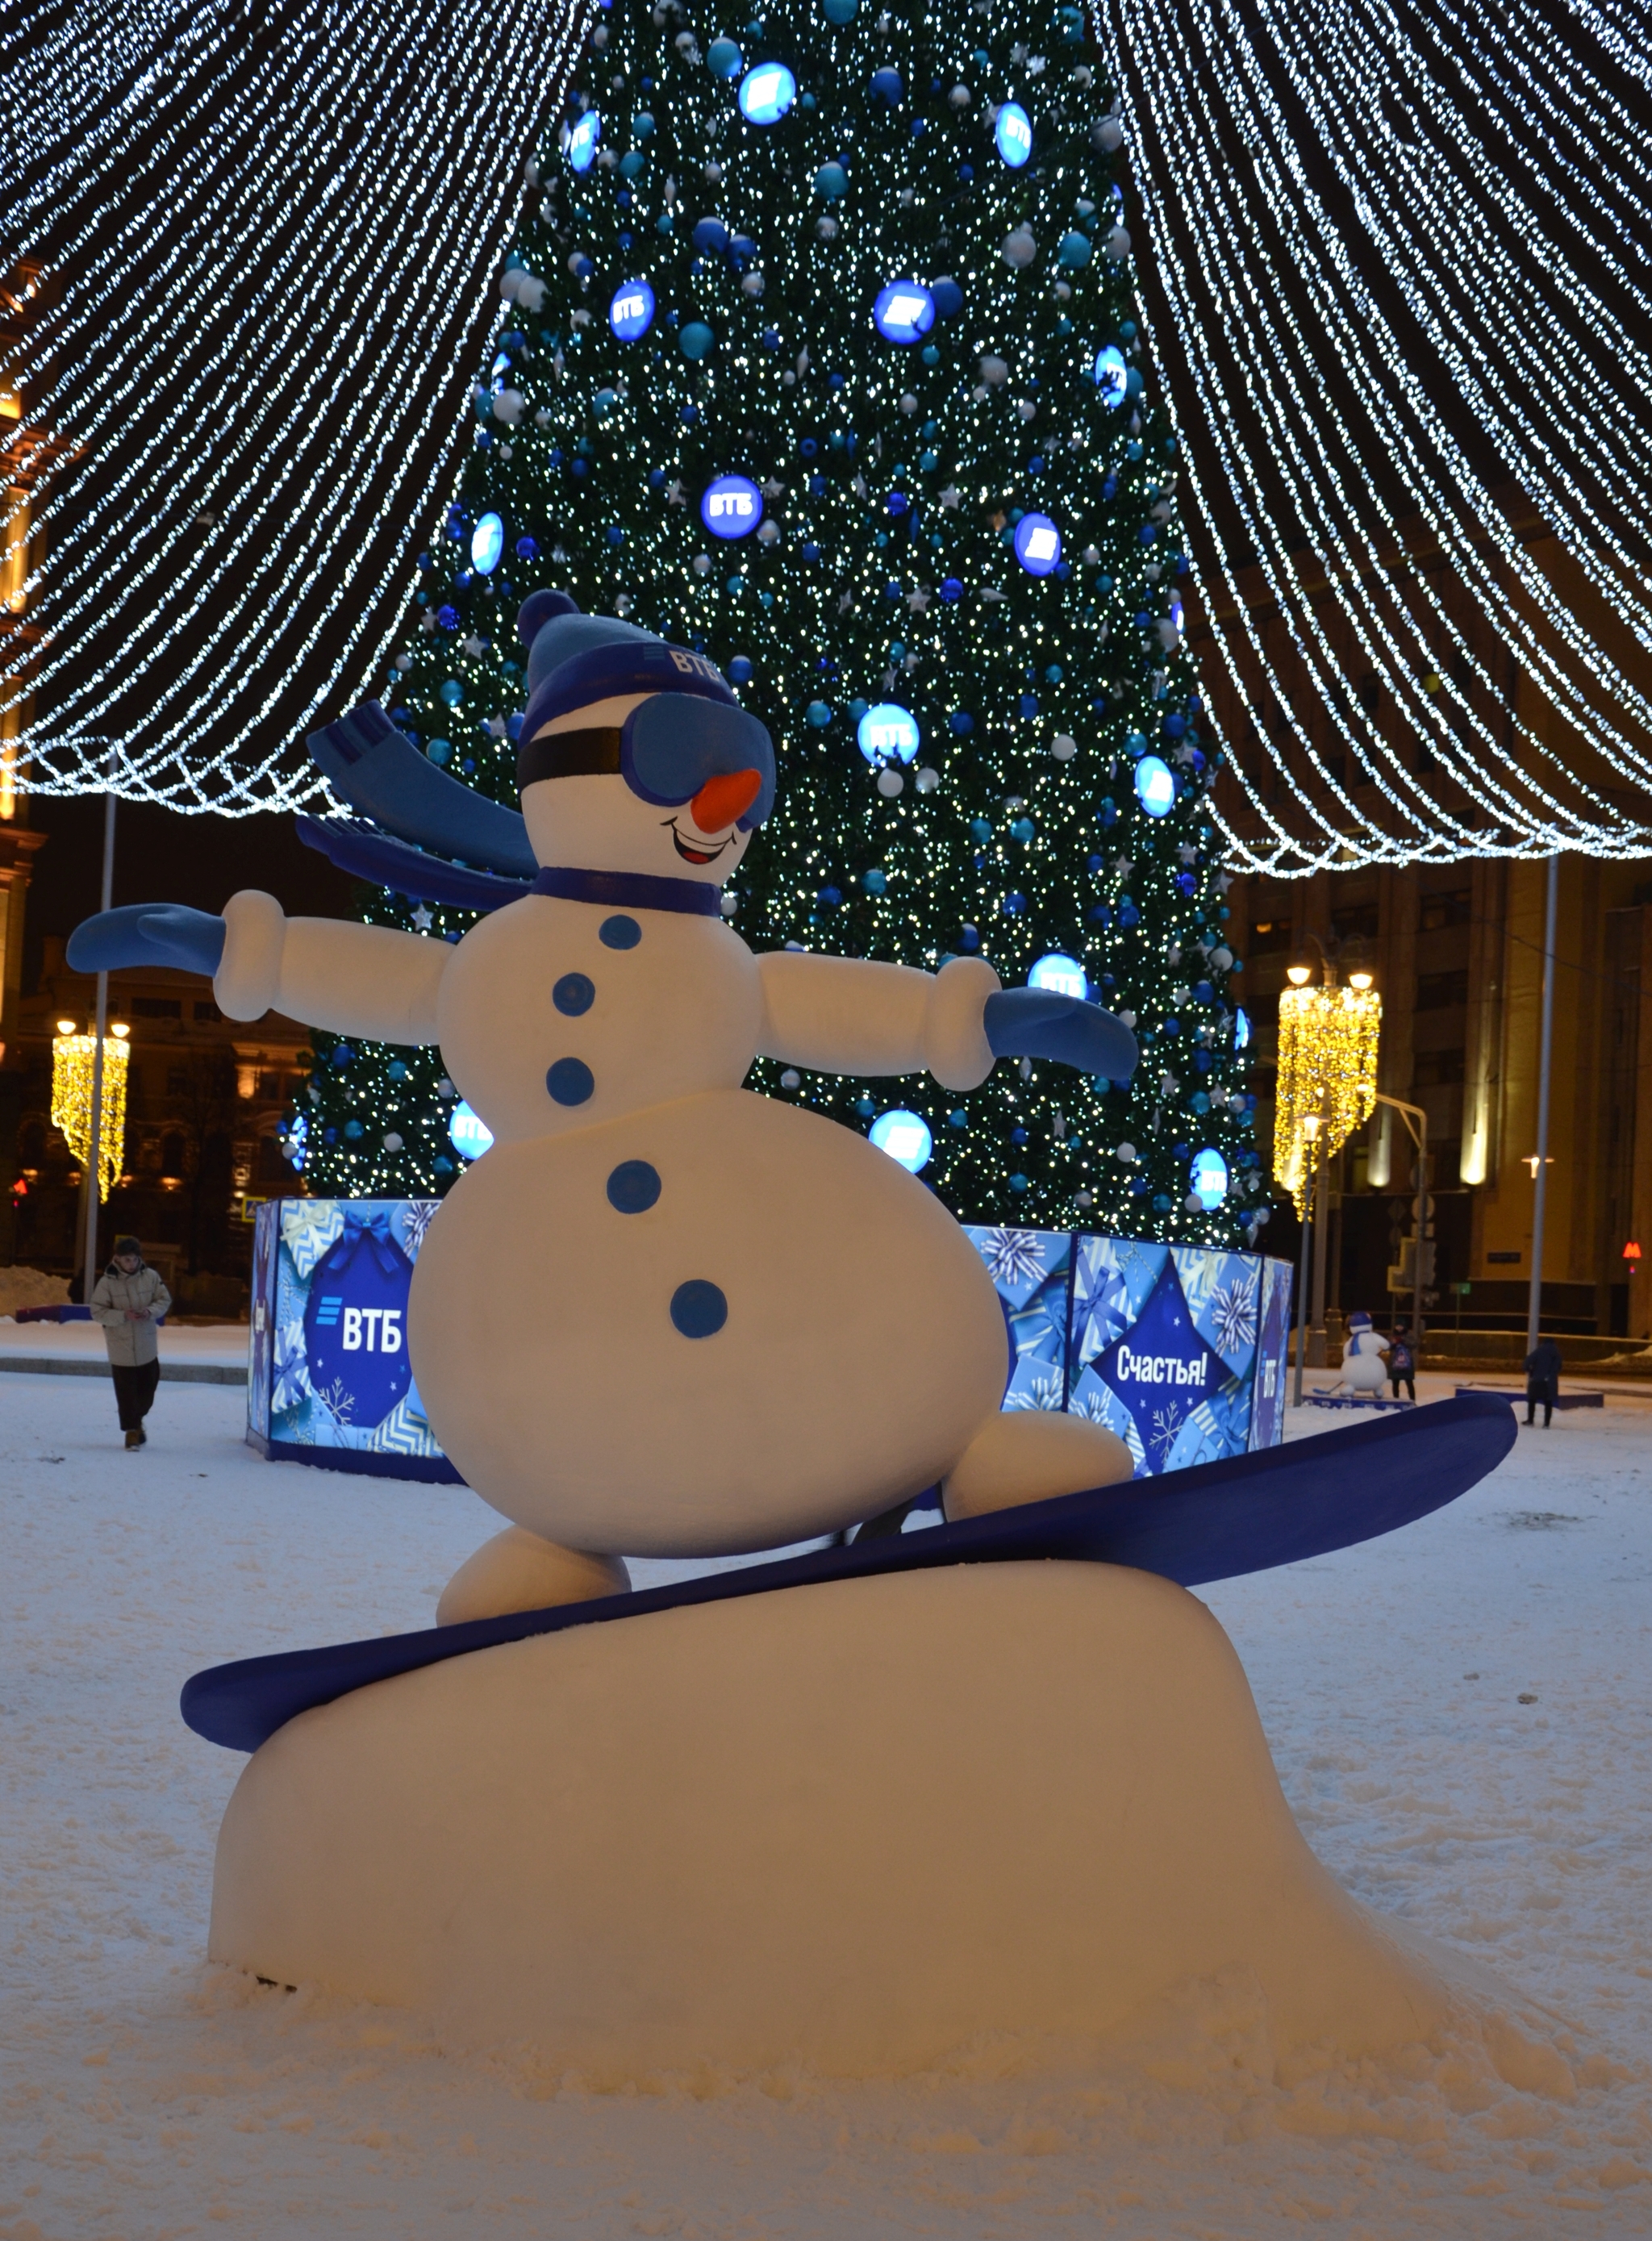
694	852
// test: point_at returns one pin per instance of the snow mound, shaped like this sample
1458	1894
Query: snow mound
857	1827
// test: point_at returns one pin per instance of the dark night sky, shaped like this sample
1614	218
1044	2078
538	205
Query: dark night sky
162	856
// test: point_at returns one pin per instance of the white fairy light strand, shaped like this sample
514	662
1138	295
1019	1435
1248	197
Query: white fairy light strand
334	215
1469	298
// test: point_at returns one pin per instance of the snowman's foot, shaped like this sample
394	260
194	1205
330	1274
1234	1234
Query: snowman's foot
1030	1455
517	1570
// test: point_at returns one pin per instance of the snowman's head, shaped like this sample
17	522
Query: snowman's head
635	755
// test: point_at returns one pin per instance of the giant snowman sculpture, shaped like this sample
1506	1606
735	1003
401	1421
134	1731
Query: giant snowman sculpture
660	1317
858	1823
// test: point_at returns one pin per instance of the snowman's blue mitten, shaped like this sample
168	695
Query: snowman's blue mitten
148	933
1041	1023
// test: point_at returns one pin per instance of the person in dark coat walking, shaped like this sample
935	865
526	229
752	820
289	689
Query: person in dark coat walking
1543	1380
128	1302
1402	1366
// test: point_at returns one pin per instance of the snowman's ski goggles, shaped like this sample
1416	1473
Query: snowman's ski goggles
667	748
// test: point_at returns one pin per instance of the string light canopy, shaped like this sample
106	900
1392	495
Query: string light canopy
1398	286
74	1059
266	239
1328	1074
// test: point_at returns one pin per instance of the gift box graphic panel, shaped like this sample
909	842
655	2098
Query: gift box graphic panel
331	1382
1169	1346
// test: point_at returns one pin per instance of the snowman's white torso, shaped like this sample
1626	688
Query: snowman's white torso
656	1003
861	1346
1363	1368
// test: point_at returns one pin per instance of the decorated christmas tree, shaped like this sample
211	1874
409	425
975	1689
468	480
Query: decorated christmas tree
818	353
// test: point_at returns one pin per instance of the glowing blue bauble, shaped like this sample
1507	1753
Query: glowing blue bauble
487	544
731	506
1074	251
631	312
696	340
582	142
1111	375
722	58
887	734
1064	976
906	1137
831	182
766	93
1155	787
469	1136
1012	135
903	312
1208	1180
1241	1028
1038	544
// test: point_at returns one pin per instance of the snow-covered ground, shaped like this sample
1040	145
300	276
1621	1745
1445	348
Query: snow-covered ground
1460	1714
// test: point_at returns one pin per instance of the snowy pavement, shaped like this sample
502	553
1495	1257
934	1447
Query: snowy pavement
1460	1714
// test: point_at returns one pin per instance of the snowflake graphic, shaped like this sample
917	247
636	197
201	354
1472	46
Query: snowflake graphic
339	1404
1013	1256
1233	1316
1040	1391
1167	1422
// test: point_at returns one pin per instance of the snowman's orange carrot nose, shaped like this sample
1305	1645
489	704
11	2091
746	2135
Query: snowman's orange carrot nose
723	799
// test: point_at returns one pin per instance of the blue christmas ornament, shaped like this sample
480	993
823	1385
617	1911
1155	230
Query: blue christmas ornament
1064	976
906	1137
1012	135
831	181
580	148
723	58
949	298
766	93
839	12
1111	375
487	544
887	734
1241	1028
452	692
696	340
469	1136
886	83
1075	251
1208	1179
642	126
1038	544
819	715
1155	787
710	237
951	589
631	312
903	312
731	506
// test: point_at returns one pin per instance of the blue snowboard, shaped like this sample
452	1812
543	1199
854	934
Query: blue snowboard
1244	1513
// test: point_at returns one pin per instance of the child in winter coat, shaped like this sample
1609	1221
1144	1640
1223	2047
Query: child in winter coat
128	1301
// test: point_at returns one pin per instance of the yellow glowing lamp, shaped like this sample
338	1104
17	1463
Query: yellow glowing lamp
1327	1072
73	1060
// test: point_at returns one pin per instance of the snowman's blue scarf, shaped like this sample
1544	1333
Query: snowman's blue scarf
630	891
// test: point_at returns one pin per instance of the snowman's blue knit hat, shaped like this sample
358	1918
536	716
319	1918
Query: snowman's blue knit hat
691	729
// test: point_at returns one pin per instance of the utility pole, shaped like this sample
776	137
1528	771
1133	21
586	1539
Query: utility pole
94	1164
1534	1304
1311	1130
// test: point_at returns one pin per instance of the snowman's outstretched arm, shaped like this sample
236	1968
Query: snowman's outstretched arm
843	1015
356	980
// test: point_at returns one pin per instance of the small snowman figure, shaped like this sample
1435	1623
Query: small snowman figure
664	1316
1364	1371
